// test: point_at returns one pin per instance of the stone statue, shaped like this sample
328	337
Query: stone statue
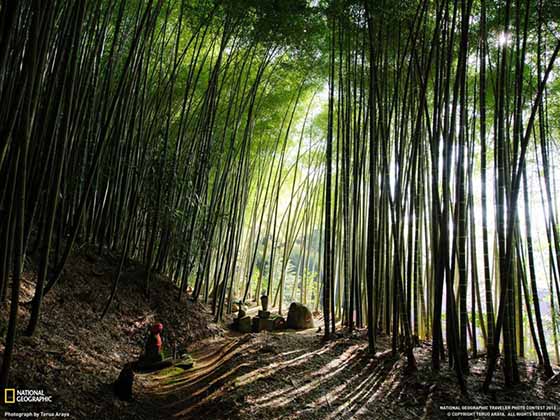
242	312
264	303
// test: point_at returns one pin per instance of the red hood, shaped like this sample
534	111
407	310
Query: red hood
157	328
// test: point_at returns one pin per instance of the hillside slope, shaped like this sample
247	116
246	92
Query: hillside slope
74	356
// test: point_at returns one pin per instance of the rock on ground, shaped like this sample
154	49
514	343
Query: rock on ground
299	317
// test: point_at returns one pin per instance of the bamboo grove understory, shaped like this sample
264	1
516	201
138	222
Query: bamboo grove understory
391	164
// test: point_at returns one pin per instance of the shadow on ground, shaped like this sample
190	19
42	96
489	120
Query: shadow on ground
284	375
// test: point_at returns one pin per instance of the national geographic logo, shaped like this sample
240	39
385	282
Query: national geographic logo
12	396
9	396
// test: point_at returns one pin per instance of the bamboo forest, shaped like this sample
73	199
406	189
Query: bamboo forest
279	209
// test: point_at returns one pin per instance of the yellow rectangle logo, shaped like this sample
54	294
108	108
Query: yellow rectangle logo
9	395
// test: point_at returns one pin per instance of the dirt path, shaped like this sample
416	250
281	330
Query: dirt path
296	375
279	376
254	376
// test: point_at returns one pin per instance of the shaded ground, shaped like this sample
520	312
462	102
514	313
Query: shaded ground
290	375
298	376
75	356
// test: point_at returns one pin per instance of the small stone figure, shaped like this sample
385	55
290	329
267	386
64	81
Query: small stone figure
263	321
243	322
264	302
152	349
242	311
264	313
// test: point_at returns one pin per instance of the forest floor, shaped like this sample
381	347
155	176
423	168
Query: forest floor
75	357
297	375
